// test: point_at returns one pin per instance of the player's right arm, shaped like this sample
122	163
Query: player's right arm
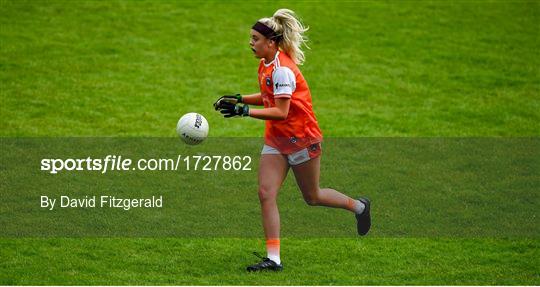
253	99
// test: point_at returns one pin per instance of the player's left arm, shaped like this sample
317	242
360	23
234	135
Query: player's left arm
284	85
279	112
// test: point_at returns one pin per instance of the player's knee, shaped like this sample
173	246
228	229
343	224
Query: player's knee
266	193
312	199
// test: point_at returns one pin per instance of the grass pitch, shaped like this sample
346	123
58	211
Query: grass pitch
109	68
371	261
122	68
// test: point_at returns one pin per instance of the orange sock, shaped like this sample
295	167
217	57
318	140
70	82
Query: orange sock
272	248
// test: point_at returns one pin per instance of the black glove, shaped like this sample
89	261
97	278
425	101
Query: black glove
231	110
233	99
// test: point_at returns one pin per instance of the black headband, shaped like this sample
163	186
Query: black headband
266	31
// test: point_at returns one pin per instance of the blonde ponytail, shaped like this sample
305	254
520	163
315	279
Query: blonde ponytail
286	23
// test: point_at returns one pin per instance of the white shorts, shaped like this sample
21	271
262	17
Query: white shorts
298	157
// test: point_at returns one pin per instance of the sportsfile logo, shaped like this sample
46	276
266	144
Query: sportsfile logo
120	163
109	163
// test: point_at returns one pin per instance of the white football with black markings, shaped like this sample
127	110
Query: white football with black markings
192	128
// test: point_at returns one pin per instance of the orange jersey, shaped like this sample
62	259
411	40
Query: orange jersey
281	78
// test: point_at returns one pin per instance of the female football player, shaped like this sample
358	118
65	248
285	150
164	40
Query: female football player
292	134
